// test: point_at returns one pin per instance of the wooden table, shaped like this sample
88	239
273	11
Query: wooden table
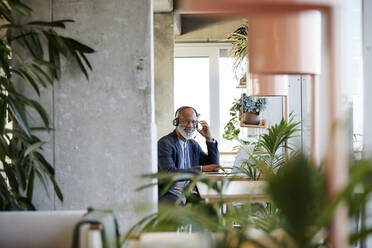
238	189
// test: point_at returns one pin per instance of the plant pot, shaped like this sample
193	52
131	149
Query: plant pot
251	118
243	81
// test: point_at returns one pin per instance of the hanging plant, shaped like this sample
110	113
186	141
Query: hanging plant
23	61
239	41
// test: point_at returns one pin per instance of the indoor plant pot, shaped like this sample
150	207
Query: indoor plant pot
251	118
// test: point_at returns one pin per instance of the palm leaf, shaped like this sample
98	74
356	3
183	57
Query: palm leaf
55	24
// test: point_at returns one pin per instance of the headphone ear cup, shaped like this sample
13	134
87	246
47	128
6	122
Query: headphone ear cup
175	122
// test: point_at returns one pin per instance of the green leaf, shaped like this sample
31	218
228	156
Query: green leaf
56	41
44	163
57	189
19	114
5	12
7	26
42	180
82	68
41	111
30	186
54	58
11	176
146	186
79	46
46	63
85	60
20	7
20	172
28	79
32	41
3	117
37	75
27	203
43	73
56	24
33	147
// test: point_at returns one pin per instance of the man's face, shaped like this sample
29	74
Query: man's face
188	122
187	118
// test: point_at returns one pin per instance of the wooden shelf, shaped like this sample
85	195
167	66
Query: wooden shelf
242	85
228	153
261	125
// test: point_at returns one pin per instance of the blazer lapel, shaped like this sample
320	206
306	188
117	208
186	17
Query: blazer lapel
178	148
179	153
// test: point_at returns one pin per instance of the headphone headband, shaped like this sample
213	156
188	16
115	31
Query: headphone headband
176	115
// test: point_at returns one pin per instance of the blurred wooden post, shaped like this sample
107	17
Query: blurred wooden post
285	117
314	147
337	157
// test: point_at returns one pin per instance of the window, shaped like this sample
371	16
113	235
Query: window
352	68
204	79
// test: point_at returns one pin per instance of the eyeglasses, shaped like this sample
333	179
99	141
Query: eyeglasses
187	122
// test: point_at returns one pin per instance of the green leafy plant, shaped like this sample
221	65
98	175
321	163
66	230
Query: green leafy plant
269	145
30	54
242	105
247	104
239	40
278	134
298	215
205	216
231	129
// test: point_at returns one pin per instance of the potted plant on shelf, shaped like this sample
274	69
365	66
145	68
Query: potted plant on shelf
237	110
250	108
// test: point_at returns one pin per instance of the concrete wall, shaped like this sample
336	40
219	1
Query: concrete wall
367	65
105	133
206	30
163	71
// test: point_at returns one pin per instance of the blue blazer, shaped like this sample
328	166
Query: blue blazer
169	152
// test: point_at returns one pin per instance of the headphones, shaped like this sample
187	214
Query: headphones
176	120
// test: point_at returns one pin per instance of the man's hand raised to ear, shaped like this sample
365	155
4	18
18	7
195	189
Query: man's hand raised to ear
205	130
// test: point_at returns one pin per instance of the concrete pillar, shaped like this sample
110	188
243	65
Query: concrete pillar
367	131
367	65
163	71
105	134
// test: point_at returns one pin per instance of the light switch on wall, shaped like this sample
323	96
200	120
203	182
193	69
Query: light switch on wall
140	72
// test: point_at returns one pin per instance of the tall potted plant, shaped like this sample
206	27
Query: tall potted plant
30	54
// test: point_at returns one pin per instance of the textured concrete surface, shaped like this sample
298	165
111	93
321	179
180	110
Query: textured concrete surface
196	29
104	136
163	71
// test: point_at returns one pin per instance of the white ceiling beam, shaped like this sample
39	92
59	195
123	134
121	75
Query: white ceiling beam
161	6
177	23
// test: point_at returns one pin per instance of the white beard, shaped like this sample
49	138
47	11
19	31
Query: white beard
187	133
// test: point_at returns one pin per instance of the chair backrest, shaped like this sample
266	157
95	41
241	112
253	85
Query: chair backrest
172	239
98	228
38	229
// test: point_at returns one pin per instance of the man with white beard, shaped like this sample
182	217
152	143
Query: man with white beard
179	152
